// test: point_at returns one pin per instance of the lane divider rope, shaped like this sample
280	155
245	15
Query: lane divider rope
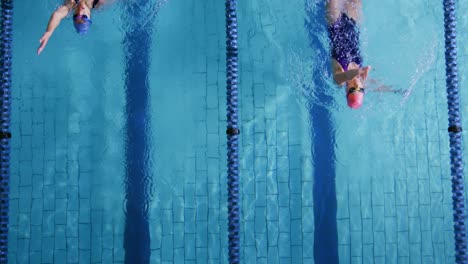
232	132
455	130
5	113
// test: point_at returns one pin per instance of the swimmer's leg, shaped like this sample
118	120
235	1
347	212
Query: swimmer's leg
334	10
353	8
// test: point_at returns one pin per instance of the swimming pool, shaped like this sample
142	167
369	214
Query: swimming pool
386	165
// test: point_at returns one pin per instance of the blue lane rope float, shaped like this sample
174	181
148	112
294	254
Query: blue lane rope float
232	131
5	134
455	130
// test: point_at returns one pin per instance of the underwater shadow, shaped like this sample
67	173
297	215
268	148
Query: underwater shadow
323	141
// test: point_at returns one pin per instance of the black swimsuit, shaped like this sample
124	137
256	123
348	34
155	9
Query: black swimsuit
94	3
344	38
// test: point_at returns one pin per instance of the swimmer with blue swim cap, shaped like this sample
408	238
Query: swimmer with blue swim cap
81	18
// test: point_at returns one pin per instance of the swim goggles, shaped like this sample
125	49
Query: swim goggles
82	17
355	90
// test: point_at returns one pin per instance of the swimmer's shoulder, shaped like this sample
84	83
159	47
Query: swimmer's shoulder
102	3
64	9
336	66
69	3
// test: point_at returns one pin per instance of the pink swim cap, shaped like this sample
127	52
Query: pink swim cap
355	100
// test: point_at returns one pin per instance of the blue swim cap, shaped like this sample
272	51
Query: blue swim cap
82	28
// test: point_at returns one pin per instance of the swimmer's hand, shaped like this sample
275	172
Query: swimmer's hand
342	77
44	39
364	72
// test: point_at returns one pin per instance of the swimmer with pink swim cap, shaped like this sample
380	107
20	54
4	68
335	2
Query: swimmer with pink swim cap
342	17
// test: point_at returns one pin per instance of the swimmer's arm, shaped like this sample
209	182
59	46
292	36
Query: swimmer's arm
344	76
337	72
54	21
57	16
388	89
341	77
382	88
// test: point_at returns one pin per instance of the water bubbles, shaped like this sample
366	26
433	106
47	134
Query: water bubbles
141	13
308	76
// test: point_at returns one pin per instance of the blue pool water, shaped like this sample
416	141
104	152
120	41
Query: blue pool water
119	146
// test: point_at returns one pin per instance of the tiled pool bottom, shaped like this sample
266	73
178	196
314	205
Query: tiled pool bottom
64	208
394	226
58	211
402	214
